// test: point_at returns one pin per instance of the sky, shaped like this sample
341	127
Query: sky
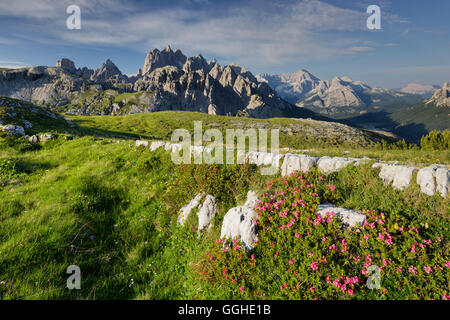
327	37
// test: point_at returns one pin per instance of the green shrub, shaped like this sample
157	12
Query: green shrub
436	140
302	255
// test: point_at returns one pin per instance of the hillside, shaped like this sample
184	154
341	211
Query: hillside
88	196
410	122
168	80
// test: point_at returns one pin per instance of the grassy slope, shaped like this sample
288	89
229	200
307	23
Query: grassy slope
111	209
160	125
410	122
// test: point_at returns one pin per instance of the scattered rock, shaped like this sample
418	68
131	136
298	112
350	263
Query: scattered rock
27	124
33	139
434	178
207	212
399	176
238	223
186	210
47	137
329	164
297	162
13	130
156	144
141	143
349	218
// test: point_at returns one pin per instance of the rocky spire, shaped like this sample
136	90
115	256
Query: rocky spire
158	59
106	71
66	64
441	98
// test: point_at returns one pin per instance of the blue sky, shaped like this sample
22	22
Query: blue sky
327	37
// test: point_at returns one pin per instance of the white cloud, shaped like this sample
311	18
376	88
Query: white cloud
412	69
256	33
11	64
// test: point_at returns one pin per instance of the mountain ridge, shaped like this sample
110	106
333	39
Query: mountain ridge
168	80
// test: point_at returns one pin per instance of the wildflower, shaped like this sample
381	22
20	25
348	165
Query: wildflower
350	292
241	288
314	265
412	270
291	262
447	264
312	289
428	269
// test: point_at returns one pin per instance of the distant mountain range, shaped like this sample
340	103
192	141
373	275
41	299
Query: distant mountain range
168	80
409	112
338	97
425	91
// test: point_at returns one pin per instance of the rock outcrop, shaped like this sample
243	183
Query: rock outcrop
329	164
349	218
434	178
12	130
441	97
168	81
66	64
297	162
238	223
399	176
206	211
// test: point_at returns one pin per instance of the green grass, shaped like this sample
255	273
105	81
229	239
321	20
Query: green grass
160	125
111	209
56	198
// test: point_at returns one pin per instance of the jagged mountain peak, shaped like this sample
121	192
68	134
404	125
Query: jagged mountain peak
157	59
107	71
441	98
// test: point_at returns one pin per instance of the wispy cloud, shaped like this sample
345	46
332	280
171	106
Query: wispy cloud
11	64
413	69
274	33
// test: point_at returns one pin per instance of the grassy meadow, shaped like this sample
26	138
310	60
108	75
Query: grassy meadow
91	198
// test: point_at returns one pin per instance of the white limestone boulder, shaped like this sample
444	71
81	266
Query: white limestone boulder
264	158
206	210
33	139
238	223
143	143
46	137
329	164
349	218
297	162
434	178
186	210
399	176
156	145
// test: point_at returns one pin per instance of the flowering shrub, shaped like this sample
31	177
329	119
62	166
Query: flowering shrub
302	255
